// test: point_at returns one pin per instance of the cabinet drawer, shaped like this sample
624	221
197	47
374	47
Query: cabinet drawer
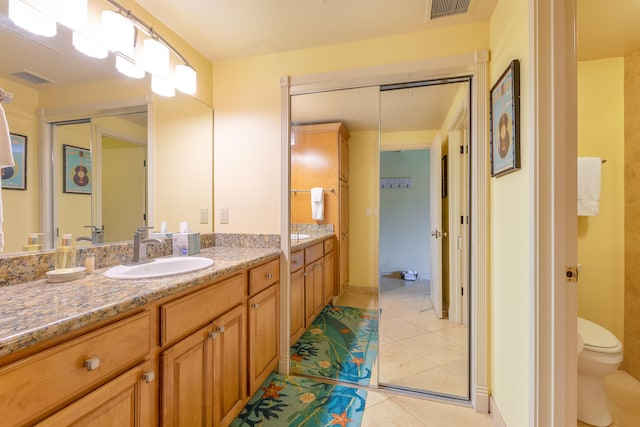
328	245
261	277
313	253
37	384
297	261
190	312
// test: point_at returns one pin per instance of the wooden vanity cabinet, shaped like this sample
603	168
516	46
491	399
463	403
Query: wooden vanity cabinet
43	383
189	360
204	374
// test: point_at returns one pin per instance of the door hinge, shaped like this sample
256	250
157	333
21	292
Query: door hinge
462	291
572	274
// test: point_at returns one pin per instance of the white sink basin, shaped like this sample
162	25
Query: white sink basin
299	236
160	267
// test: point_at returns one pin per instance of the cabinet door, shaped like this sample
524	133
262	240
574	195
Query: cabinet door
230	365
318	287
329	277
297	306
124	401
187	381
313	291
264	313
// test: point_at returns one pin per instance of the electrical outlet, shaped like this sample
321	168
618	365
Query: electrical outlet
204	216
224	216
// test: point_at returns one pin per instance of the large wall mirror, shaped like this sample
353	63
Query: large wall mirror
83	120
408	179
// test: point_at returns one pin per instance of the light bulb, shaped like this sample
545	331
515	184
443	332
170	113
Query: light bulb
118	32
162	87
155	57
185	79
129	68
89	47
71	13
27	17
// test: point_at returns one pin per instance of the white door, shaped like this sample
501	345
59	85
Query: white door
436	225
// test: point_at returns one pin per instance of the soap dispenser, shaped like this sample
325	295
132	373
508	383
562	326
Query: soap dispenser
65	254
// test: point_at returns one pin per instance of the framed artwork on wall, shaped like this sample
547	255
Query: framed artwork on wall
505	121
15	177
76	170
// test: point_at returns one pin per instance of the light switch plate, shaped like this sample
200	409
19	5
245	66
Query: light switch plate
204	216
224	216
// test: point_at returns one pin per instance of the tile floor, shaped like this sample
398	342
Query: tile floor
389	409
442	360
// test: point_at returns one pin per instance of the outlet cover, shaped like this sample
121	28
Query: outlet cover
224	216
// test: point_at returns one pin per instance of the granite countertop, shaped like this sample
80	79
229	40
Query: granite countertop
315	238
36	311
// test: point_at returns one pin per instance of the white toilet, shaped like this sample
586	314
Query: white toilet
601	354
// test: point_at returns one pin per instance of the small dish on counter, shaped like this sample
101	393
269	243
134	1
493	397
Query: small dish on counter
65	275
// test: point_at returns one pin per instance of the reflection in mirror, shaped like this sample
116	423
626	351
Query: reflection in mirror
335	149
424	325
110	201
419	338
52	84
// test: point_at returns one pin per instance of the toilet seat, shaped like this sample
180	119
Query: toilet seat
596	338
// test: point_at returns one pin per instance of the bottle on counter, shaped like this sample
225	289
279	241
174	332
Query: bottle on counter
65	254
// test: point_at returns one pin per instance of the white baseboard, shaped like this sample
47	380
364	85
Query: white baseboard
498	421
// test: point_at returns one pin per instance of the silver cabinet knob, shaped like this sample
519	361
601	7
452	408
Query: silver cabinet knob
213	335
92	364
220	329
255	305
149	376
269	275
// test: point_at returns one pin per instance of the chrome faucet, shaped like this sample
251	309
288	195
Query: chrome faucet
140	242
97	235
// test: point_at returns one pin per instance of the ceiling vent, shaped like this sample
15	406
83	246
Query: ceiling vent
442	8
30	77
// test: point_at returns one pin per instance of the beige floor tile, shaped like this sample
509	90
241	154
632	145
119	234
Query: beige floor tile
458	334
448	379
426	320
389	414
438	414
397	328
375	397
435	348
398	362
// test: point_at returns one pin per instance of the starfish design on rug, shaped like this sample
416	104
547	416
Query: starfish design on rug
297	358
358	360
273	391
341	419
345	331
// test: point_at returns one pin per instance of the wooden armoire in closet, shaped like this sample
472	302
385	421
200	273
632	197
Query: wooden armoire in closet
320	158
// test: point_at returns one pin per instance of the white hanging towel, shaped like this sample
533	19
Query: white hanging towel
589	177
6	159
317	203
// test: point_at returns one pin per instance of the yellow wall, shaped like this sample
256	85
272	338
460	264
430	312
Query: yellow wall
601	238
183	159
247	113
364	176
510	252
21	213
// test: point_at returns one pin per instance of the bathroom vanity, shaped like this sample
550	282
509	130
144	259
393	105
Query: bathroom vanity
179	350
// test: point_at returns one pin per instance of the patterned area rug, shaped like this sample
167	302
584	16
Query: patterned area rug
296	401
341	344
